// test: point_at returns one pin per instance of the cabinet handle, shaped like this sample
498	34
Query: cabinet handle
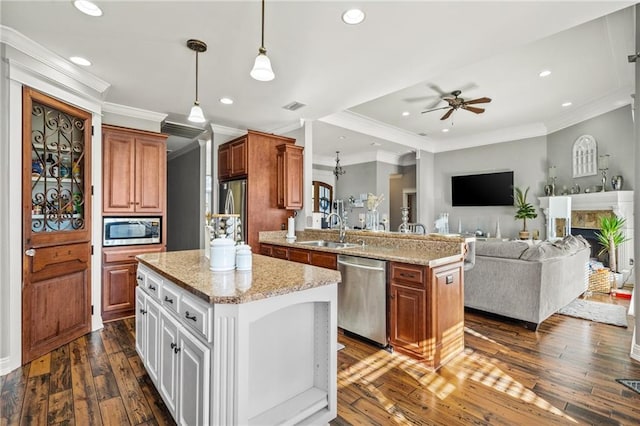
152	287
166	299
187	316
176	349
449	279
173	345
139	278
404	274
130	203
142	311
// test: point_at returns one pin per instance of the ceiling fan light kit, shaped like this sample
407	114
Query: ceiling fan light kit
457	103
196	115
262	70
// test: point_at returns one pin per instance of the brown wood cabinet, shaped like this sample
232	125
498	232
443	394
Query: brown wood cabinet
426	311
134	171
300	255
232	159
254	156
119	280
290	177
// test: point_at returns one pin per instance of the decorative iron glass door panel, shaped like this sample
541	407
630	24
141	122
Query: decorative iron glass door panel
56	220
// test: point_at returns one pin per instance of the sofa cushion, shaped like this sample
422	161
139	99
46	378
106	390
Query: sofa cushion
545	250
572	243
503	249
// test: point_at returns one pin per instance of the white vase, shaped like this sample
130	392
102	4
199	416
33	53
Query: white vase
618	279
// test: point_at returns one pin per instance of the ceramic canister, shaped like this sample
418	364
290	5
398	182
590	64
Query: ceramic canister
243	257
223	255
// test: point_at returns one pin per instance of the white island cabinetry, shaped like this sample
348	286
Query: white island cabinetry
238	355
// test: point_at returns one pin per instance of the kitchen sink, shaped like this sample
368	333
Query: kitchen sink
328	244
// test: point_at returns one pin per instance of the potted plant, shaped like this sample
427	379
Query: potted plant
524	210
610	237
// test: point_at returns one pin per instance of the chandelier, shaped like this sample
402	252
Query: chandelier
338	170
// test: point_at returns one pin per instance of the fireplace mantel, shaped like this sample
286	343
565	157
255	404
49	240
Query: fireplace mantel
620	203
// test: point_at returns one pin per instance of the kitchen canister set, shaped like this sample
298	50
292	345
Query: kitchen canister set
227	256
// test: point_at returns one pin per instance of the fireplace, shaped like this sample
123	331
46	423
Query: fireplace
586	210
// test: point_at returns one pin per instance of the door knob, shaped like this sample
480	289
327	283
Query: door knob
30	252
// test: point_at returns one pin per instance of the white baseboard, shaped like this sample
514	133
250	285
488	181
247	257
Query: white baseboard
635	348
8	364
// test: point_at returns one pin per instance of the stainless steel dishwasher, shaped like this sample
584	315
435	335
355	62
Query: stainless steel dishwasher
362	297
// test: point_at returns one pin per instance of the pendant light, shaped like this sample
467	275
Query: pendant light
338	170
196	115
262	67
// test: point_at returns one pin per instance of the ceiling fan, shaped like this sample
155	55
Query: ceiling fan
456	103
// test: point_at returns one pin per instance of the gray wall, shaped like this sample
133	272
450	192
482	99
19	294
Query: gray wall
528	160
358	179
183	201
612	131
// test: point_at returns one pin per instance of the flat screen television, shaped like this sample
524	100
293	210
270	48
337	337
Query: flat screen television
488	189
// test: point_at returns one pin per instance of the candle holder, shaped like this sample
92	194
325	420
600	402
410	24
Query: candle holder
603	165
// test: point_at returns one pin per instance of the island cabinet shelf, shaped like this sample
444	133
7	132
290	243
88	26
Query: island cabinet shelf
239	355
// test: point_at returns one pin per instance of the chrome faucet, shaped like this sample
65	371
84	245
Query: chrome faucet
340	223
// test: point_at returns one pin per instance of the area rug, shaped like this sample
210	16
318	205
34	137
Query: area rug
634	385
596	311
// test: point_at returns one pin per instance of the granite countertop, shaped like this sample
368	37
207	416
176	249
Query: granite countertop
269	277
429	253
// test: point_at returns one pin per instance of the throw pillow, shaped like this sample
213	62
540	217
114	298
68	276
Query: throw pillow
503	249
544	250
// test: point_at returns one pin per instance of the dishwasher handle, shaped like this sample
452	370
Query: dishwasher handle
355	265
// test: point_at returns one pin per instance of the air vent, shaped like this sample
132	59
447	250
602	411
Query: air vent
294	106
422	134
182	130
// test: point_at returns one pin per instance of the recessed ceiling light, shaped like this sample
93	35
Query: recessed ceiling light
405	113
341	137
87	7
545	73
78	60
375	144
566	104
226	101
353	16
445	130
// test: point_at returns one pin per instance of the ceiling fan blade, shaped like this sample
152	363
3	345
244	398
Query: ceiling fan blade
484	100
473	109
435	109
444	117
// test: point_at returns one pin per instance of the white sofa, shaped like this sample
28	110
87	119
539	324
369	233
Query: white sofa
527	283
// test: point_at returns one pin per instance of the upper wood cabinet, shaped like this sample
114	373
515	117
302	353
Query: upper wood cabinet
134	176
290	177
232	159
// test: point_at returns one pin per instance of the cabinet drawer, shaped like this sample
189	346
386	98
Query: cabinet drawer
129	254
299	255
170	297
150	281
196	315
412	275
324	260
280	252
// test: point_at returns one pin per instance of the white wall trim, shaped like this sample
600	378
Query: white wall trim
635	348
132	112
497	136
35	50
228	131
283	130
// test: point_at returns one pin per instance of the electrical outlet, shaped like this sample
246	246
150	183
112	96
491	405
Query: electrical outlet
631	262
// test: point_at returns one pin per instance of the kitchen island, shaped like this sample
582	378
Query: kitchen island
239	347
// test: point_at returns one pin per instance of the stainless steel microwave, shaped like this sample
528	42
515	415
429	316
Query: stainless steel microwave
127	231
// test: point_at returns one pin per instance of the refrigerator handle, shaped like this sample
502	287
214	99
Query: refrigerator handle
229	203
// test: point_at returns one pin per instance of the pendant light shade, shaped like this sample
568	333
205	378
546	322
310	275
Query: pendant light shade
196	115
262	70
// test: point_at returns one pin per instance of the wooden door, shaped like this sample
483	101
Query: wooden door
56	219
118	290
118	172
239	158
224	162
407	320
151	164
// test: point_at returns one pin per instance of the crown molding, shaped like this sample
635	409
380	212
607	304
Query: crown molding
227	131
365	125
366	157
288	128
20	42
133	112
508	134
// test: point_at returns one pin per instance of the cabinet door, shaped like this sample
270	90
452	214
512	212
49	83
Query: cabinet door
151	163
152	332
168	361
239	158
118	287
280	252
266	249
141	325
193	380
448	306
224	162
118	172
407	320
290	175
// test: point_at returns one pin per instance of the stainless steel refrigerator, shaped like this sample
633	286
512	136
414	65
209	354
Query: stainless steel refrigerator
233	200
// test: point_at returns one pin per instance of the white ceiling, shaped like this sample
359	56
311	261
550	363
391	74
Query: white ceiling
356	79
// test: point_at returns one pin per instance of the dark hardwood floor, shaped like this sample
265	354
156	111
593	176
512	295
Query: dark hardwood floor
562	374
